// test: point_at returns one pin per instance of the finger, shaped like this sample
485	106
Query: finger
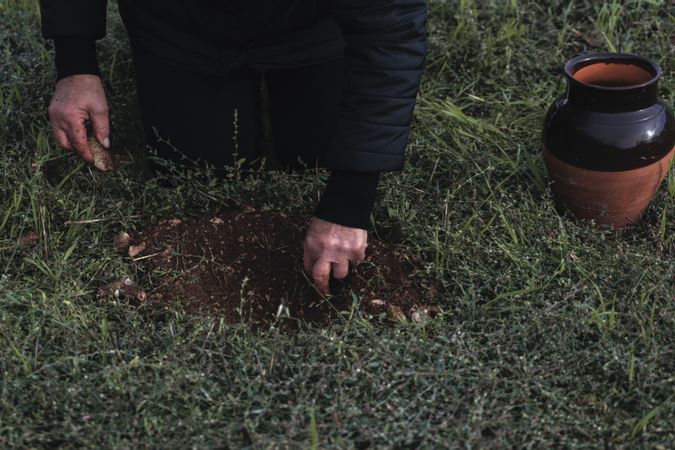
340	270
77	135
308	259
321	274
61	138
359	256
100	124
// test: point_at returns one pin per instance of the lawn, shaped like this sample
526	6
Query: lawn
553	332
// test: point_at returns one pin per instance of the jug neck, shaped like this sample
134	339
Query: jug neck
612	82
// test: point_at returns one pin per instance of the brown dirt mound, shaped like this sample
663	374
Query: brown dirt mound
246	266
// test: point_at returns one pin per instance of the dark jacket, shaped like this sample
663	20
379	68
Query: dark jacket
384	44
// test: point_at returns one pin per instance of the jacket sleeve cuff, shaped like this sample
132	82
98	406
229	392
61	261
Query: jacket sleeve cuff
75	55
348	199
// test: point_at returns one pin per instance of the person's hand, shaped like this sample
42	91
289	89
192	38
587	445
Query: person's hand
331	248
78	99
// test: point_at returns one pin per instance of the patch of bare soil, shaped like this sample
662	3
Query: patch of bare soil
246	266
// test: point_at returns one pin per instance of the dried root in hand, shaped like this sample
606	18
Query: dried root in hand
104	160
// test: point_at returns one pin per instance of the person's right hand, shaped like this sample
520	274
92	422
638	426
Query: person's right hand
77	99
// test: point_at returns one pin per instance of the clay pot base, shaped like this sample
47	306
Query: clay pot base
612	198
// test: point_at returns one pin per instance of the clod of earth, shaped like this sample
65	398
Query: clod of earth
28	239
246	266
124	288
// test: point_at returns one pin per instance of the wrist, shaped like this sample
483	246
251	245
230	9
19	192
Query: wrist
348	199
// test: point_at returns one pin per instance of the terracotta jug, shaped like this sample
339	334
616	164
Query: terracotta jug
608	140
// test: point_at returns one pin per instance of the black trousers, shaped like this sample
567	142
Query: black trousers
213	118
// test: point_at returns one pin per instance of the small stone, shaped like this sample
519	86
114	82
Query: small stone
423	313
122	241
420	316
216	221
376	306
396	314
135	250
174	222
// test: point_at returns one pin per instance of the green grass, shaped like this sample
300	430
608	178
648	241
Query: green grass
555	333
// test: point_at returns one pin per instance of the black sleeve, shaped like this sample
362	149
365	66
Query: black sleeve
74	25
384	57
348	199
62	18
75	55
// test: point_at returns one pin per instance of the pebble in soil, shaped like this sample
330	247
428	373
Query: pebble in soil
246	266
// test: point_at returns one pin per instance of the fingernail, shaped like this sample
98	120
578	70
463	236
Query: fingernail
106	143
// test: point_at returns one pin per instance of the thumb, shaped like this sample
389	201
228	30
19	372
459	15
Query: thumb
101	127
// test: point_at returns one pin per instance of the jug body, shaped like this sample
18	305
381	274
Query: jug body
608	140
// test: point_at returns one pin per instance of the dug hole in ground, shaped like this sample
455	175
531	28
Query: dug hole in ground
245	265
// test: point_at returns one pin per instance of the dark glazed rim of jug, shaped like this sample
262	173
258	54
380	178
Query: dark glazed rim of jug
586	59
602	98
610	118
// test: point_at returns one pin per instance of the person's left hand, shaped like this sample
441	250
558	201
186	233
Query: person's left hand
332	247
